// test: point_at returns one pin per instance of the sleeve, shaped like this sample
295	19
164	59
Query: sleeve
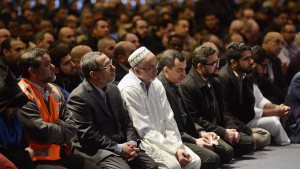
126	123
44	132
168	141
260	102
294	93
87	133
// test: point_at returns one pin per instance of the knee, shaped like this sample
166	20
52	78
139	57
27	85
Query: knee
212	162
262	140
228	155
196	162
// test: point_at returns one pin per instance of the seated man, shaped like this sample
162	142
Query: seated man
267	116
105	131
237	92
192	134
202	94
292	122
151	114
12	139
266	113
46	120
66	76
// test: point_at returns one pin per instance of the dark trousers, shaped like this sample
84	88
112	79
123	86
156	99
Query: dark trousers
224	150
209	159
244	146
142	161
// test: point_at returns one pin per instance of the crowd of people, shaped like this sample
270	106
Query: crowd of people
160	84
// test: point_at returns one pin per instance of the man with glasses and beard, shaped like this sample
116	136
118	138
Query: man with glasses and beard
201	92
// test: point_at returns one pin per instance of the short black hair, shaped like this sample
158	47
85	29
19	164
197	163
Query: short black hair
58	52
234	50
259	54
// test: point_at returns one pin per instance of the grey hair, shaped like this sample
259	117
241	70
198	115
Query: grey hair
89	63
168	58
201	54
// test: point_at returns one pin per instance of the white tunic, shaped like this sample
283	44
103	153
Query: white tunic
153	119
271	123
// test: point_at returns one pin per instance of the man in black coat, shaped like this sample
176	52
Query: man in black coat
193	135
237	92
105	132
202	95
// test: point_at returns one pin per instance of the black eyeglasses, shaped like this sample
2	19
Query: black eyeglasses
214	64
108	66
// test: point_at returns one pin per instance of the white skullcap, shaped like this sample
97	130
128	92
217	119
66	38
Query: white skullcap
138	55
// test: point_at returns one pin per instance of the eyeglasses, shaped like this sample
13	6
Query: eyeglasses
151	68
108	66
214	64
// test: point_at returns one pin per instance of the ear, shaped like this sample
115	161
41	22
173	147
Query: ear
165	69
5	51
32	71
200	68
121	58
92	74
136	70
233	63
56	69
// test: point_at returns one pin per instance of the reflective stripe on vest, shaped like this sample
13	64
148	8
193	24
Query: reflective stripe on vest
43	151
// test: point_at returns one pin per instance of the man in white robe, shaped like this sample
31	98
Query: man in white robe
267	116
151	114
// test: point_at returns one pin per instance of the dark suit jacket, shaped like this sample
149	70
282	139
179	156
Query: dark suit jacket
198	99
191	130
237	113
292	122
120	72
100	125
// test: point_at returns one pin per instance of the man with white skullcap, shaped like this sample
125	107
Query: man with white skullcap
151	114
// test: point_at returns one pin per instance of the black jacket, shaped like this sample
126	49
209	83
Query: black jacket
237	111
189	131
198	99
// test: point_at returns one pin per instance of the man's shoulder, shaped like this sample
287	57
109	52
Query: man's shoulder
79	90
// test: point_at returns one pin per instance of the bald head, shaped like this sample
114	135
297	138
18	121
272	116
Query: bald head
122	51
78	52
236	26
4	34
273	42
67	35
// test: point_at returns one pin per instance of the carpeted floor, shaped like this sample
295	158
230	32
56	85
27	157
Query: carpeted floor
272	157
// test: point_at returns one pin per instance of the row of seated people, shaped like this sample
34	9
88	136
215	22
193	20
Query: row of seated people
172	121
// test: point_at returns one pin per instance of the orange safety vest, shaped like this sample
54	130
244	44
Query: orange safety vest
43	151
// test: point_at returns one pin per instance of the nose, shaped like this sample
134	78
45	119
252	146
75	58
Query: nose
52	66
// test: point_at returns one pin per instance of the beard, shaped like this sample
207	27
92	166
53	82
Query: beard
49	79
245	70
211	75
